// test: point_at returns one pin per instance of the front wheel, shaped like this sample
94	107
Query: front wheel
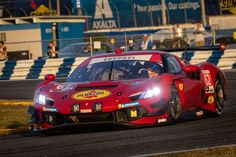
175	106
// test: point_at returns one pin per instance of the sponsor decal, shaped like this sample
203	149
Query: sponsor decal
162	120
210	99
85	111
61	88
199	113
75	108
91	95
131	104
50	109
117	58
208	81
98	106
209	89
181	86
133	113
207	77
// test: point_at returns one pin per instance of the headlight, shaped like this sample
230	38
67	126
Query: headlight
41	99
150	93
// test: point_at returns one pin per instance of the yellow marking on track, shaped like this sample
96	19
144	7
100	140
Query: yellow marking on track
15	102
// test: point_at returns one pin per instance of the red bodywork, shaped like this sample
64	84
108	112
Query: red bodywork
61	97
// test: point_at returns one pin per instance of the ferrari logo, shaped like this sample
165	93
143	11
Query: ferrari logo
181	86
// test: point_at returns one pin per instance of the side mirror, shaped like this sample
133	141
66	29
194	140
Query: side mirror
192	70
222	47
49	77
118	51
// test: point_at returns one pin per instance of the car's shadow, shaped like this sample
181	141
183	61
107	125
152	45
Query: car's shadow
90	128
75	129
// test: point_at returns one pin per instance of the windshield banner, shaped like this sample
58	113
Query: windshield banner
117	58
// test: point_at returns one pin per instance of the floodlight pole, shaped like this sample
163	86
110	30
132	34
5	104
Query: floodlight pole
58	8
203	12
50	7
163	11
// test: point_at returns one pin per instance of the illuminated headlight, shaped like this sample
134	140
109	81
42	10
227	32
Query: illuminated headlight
41	99
150	93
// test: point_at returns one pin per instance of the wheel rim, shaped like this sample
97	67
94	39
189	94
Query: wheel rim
219	94
175	105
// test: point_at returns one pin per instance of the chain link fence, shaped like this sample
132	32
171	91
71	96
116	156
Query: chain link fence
98	44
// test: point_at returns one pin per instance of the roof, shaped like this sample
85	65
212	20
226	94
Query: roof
42	19
130	53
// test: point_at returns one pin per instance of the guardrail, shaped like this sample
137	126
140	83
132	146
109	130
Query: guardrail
62	67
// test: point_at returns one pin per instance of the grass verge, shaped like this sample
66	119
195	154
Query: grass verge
13	118
229	151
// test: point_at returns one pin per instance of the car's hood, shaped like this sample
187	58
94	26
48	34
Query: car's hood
109	93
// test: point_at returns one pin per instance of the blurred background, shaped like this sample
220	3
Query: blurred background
88	27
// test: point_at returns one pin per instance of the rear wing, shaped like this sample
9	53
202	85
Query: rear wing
194	48
220	47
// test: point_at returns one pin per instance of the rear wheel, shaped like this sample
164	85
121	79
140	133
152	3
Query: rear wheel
219	97
175	106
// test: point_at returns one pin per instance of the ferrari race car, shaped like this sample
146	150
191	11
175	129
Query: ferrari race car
133	88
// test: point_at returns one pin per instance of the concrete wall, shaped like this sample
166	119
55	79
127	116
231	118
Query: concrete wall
22	40
35	37
23	37
224	22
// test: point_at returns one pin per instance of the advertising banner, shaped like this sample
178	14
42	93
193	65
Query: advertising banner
109	14
227	6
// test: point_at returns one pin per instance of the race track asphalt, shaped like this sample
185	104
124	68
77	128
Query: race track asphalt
108	142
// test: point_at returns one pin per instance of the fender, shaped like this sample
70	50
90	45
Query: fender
166	80
171	80
215	73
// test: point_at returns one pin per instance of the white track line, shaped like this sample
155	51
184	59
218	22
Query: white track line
184	151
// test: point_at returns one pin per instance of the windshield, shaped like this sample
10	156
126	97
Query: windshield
116	70
72	50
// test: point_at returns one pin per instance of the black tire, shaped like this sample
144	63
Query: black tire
219	97
175	106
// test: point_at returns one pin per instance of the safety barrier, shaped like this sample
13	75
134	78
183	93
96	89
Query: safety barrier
62	67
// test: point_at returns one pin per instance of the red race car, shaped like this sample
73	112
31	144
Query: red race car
133	88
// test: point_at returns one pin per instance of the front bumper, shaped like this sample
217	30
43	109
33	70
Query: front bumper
45	120
133	116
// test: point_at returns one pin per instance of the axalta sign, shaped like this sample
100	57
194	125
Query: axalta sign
103	17
91	94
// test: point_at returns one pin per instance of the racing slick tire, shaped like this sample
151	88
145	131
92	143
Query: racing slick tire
219	97
175	106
